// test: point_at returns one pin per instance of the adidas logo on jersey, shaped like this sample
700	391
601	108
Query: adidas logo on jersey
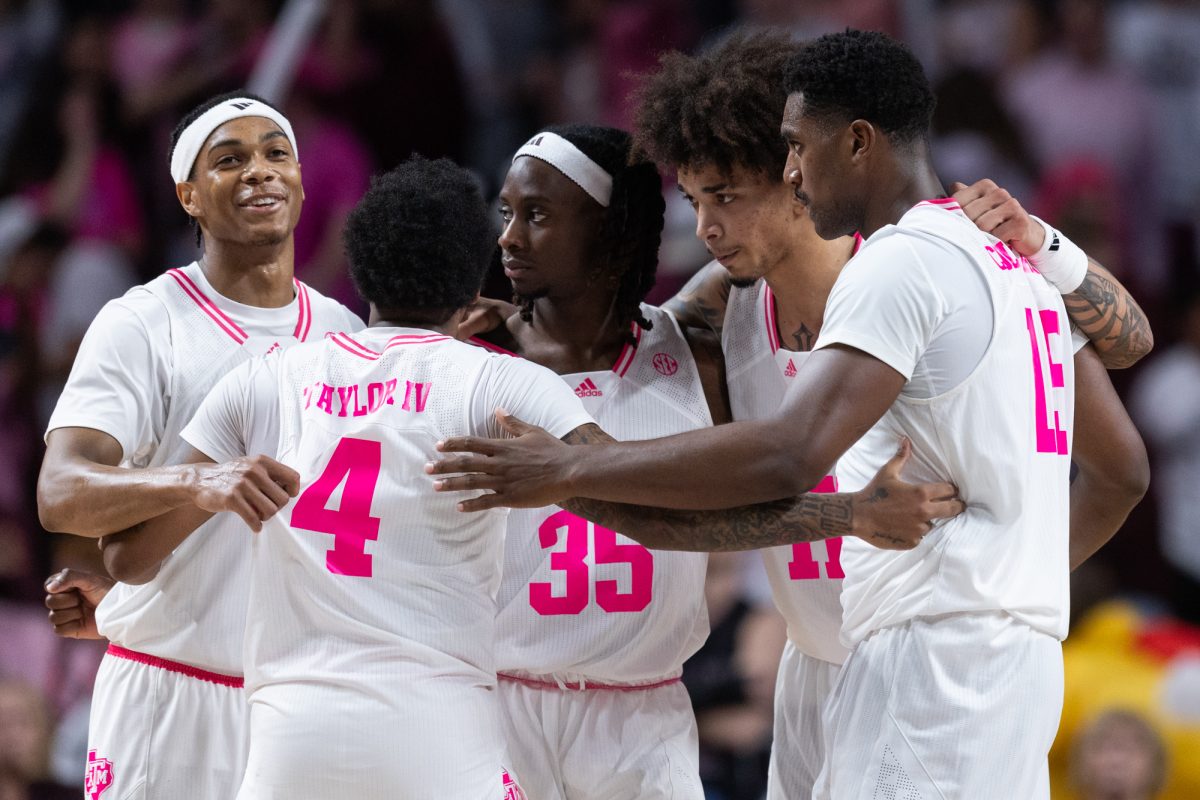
588	389
790	370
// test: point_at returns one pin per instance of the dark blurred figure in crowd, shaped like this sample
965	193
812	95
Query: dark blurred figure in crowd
1166	405
1118	757
25	733
731	680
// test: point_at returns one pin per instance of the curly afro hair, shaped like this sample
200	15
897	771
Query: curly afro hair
721	108
418	240
194	115
864	75
626	245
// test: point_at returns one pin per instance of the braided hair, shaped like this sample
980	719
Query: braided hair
626	244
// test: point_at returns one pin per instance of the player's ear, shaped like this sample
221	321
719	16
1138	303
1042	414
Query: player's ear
189	198
861	138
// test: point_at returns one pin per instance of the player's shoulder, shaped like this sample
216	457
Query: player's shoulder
141	309
333	314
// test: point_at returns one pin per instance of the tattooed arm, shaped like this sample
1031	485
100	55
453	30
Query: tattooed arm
1101	307
702	300
888	513
1109	316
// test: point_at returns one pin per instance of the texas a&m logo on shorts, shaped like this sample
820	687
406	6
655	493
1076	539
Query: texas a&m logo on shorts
99	776
511	790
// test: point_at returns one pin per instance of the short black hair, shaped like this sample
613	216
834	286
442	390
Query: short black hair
626	246
721	108
864	75
194	115
418	240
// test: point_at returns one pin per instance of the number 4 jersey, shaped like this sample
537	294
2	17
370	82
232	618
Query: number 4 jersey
370	576
580	601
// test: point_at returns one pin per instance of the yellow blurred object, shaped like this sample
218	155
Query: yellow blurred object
1104	668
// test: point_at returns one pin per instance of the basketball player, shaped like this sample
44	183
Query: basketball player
765	296
594	628
168	712
370	657
937	332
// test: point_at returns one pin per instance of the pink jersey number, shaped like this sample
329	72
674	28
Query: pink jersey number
357	462
578	579
804	565
1051	437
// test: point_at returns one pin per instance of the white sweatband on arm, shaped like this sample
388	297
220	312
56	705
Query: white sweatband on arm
1062	263
570	161
183	157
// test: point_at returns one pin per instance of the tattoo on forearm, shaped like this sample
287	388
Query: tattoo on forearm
590	433
1110	317
808	518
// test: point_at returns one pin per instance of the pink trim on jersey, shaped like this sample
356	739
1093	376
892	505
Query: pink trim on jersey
769	315
304	318
858	243
208	307
586	686
495	348
948	203
628	352
232	681
362	351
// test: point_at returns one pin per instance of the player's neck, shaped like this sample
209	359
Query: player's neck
399	319
910	178
575	335
254	276
801	286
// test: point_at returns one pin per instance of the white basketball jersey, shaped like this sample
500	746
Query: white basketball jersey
1002	436
194	609
369	575
581	600
806	577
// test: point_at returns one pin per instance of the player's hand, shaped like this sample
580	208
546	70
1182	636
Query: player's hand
484	315
894	515
72	596
527	471
253	487
997	212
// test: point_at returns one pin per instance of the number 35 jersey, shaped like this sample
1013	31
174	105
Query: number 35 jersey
369	575
580	601
806	578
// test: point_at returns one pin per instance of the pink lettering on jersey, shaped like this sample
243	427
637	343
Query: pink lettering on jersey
98	777
578	577
357	462
804	565
665	364
350	406
325	402
1050	435
418	394
1008	260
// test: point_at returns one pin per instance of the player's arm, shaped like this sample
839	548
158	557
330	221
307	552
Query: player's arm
1099	306
710	364
835	398
887	513
71	598
81	490
702	301
253	487
1113	469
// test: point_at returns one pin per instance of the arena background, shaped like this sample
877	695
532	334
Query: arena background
1086	110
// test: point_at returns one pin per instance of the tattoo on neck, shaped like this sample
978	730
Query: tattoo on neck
804	338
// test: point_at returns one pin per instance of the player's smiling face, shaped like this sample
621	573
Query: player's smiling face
818	169
744	217
550	228
246	184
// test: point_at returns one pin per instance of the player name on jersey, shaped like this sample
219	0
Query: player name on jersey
359	400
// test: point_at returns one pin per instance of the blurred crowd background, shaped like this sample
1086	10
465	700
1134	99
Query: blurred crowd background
1088	111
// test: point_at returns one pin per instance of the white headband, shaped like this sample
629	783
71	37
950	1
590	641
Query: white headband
570	161
194	135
